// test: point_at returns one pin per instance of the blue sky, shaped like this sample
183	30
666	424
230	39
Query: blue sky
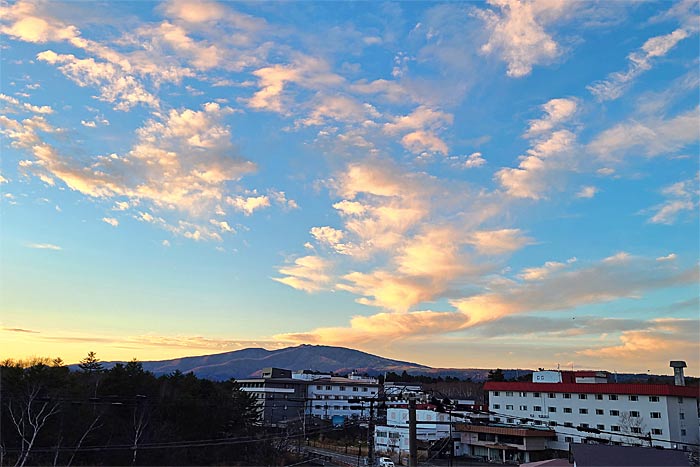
457	184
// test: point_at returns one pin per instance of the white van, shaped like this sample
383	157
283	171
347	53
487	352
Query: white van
385	462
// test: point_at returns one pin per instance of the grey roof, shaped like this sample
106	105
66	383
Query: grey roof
601	455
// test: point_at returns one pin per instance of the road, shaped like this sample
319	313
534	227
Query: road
352	461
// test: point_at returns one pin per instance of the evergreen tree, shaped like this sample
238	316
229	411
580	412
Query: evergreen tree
91	364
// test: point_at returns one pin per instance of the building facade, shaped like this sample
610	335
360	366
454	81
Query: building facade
582	407
337	396
281	399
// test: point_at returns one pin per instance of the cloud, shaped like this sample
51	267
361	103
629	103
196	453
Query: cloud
557	111
116	87
248	205
111	221
550	156
615	277
671	337
517	33
639	61
496	242
181	161
539	273
652	137
681	196
305	71
165	243
669	257
25	106
20	330
420	129
327	235
43	246
308	273
587	192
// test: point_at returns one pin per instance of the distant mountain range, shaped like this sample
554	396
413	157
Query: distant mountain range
248	363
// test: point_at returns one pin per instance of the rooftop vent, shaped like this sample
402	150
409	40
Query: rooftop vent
678	365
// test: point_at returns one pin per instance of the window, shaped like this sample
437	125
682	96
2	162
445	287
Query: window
681	416
599	411
568	424
583	411
510	420
584	425
496	406
509	407
656	415
537	422
567	409
583	396
600	427
551	409
634	413
319	388
614	428
496	419
364	389
523	394
614	413
342	388
683	432
680	400
523	407
567	396
599	397
551	395
569	439
552	423
535	394
656	431
653	398
496	393
355	389
634	398
537	408
509	393
486	437
636	429
612	397
381	434
328	388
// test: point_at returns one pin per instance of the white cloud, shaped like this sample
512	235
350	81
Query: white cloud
249	204
43	246
652	137
557	111
639	61
587	192
517	32
669	257
681	196
111	221
117	87
496	242
308	273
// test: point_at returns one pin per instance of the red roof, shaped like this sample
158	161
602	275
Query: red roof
597	388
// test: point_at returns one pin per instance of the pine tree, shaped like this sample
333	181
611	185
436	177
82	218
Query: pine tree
91	364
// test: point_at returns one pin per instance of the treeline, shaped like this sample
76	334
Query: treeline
126	416
405	377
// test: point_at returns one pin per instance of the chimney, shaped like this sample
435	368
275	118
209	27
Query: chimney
678	365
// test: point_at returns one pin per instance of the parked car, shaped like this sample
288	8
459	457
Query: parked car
385	462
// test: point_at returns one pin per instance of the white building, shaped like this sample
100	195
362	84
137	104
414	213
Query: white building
392	438
583	407
331	396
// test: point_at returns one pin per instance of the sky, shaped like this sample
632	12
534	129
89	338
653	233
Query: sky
476	185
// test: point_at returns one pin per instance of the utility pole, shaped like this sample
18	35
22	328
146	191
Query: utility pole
370	434
412	435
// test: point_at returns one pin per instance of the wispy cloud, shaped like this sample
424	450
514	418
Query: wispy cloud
680	197
43	246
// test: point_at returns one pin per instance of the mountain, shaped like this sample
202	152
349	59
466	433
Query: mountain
248	363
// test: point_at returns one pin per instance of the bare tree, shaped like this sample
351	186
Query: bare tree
140	419
93	426
29	416
633	427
